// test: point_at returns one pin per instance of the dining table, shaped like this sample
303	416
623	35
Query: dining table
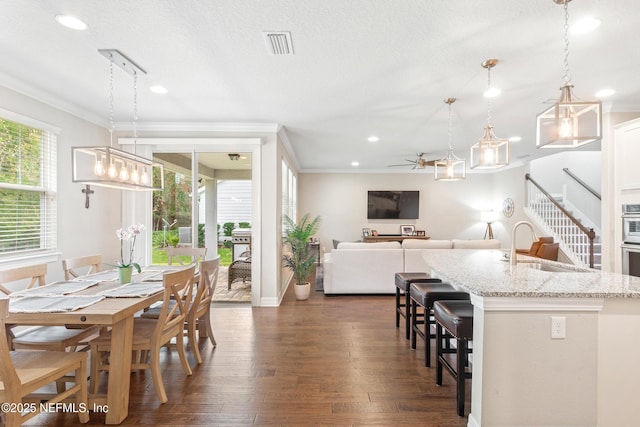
114	306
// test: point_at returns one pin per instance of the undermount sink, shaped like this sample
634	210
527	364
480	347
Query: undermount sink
551	268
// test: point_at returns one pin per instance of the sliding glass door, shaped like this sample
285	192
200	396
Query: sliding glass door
174	218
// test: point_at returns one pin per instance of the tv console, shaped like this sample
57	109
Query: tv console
390	238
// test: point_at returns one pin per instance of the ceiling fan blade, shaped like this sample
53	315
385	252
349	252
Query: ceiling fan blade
390	166
431	162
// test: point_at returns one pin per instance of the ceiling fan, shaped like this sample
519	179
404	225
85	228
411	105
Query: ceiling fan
418	163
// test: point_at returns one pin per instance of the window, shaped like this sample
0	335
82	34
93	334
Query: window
289	190
27	186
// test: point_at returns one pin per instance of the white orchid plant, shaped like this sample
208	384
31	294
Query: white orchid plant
130	234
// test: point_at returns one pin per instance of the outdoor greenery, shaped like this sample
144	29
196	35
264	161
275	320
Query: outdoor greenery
159	256
20	156
228	227
174	203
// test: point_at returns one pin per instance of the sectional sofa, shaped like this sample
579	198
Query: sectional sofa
370	268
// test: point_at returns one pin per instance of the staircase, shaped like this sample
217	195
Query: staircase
574	242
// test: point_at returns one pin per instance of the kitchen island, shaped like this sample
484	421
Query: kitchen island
524	377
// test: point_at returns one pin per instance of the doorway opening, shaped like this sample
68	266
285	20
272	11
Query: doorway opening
207	199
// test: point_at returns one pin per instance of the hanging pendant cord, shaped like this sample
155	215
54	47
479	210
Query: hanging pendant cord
449	126
135	110
488	98
111	123
567	77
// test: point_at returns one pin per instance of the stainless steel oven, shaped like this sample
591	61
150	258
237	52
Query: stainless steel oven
631	259
631	224
631	239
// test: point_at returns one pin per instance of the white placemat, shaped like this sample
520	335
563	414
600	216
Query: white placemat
134	289
51	304
152	276
57	288
103	276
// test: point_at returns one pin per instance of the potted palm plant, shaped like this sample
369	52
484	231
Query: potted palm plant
298	256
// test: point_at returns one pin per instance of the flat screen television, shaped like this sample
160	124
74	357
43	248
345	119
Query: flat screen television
393	204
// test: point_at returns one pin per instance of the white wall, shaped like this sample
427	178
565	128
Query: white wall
586	165
510	183
80	231
448	210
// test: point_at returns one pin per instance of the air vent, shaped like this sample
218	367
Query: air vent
278	42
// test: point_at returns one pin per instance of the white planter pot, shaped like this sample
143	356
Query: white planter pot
302	291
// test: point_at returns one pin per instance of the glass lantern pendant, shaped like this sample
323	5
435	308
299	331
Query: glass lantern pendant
450	167
569	123
490	152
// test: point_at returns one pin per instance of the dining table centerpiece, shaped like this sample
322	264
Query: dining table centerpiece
126	266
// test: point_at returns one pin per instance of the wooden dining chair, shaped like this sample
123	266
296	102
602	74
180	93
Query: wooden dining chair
94	262
24	372
196	255
199	313
34	273
57	338
149	335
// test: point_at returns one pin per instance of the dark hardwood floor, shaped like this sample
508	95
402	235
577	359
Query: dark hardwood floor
333	361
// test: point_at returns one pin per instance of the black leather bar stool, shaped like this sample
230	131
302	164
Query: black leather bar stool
403	282
423	295
454	319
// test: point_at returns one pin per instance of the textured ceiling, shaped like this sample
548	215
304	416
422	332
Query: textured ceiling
361	67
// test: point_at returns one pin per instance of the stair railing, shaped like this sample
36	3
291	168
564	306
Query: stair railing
537	194
581	182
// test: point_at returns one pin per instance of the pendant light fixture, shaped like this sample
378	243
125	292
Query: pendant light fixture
106	166
489	152
451	167
569	123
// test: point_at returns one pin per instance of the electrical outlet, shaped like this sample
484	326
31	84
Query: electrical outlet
558	327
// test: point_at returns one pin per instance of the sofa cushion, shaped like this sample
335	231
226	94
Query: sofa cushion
426	244
535	246
363	271
476	244
548	251
376	245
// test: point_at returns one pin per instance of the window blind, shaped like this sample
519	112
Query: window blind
28	202
289	191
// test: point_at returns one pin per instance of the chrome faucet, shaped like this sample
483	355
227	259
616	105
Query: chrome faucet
512	255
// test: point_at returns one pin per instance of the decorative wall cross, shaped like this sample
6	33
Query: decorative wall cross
87	192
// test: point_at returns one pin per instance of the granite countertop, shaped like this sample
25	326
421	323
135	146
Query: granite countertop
487	273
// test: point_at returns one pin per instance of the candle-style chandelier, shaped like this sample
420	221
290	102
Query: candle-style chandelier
106	166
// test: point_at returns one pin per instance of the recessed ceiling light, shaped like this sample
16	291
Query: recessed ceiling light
158	89
585	25
71	22
492	92
603	93
373	139
515	139
355	163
